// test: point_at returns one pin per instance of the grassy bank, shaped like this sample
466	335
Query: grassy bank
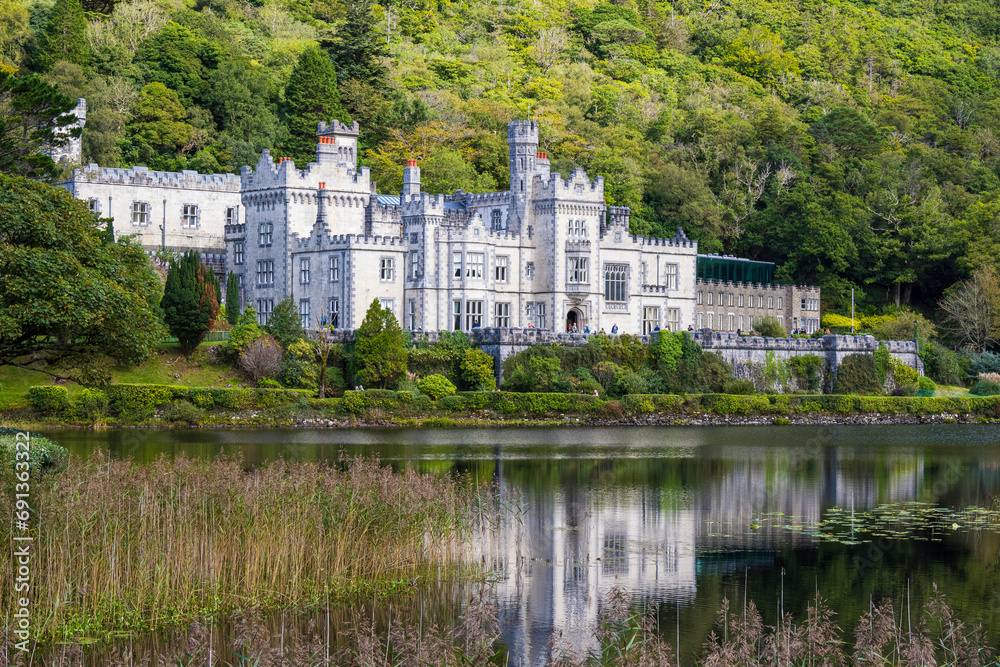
164	405
129	546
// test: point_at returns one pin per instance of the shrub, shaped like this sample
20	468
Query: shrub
451	402
286	323
769	326
630	382
261	359
926	384
44	456
92	404
715	371
985	388
49	400
605	373
182	411
806	369
268	383
477	370
589	387
943	365
739	386
245	332
904	376
297	366
380	350
882	360
856	375
201	397
987	362
436	386
136	401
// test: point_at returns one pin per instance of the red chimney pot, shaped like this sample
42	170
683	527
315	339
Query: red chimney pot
411	163
322	185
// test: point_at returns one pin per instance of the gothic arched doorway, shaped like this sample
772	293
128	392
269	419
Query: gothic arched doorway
574	321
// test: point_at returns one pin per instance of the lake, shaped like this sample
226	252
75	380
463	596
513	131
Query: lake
687	516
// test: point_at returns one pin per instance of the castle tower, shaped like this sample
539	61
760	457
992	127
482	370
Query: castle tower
411	179
522	142
338	144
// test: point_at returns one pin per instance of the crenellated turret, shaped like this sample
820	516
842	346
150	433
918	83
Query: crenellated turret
522	144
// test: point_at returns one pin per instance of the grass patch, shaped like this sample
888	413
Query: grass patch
141	546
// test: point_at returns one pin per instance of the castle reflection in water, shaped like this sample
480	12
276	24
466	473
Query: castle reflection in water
653	525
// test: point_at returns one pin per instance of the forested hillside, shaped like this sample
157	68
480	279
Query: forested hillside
854	143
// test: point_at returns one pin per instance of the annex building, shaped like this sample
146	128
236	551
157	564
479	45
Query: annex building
547	254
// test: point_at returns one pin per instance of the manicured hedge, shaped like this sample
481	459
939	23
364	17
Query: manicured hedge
49	399
131	399
136	399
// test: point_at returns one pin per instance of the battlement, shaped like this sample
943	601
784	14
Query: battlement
140	176
345	241
486	199
336	127
283	174
522	130
765	287
556	186
235	232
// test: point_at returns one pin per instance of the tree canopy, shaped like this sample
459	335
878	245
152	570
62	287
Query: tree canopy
68	298
380	350
190	301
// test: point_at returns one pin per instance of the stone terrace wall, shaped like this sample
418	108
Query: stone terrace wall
502	343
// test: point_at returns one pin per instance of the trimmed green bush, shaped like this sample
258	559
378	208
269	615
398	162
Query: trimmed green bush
452	402
45	457
268	383
138	400
92	404
926	384
856	374
477	370
202	398
436	386
738	386
185	412
49	399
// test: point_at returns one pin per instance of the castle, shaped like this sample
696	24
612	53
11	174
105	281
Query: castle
547	254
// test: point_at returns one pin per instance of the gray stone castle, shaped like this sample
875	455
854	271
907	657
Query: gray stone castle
548	254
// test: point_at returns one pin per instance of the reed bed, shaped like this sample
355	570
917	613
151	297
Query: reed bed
127	546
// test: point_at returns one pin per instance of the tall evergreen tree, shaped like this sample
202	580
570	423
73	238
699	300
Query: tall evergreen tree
286	323
311	96
65	36
31	111
109	230
380	351
360	46
233	299
189	301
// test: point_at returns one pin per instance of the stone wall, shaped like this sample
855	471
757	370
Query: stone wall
737	350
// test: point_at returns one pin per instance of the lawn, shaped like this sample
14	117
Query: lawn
168	367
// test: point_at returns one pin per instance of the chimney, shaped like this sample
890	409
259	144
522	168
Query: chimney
542	165
411	179
321	205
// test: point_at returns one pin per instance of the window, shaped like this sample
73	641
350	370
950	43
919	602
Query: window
749	300
750	321
140	213
385	269
265	273
810	304
304	271
710	298
496	220
189	216
770	302
304	312
670	276
741	323
540	315
699	321
700	298
474	265
760	300
414	264
265	234
456	262
720	298
238	255
501	314
334	313
387	304
334	268
264	308
578	270
232	217
779	303
711	317
501	268
456	309
473	315
616	282
650	319
730	327
674	319
529	269
411	313
577	229
94	205
741	300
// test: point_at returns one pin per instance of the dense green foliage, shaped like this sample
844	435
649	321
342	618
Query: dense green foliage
311	96
436	386
49	399
232	298
286	323
65	35
380	351
769	326
477	370
985	388
190	303
67	297
32	116
856	374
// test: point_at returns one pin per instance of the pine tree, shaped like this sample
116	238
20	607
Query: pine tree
189	301
380	350
233	299
34	117
65	36
311	96
360	47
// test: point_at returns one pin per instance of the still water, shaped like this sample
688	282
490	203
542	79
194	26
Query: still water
685	517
